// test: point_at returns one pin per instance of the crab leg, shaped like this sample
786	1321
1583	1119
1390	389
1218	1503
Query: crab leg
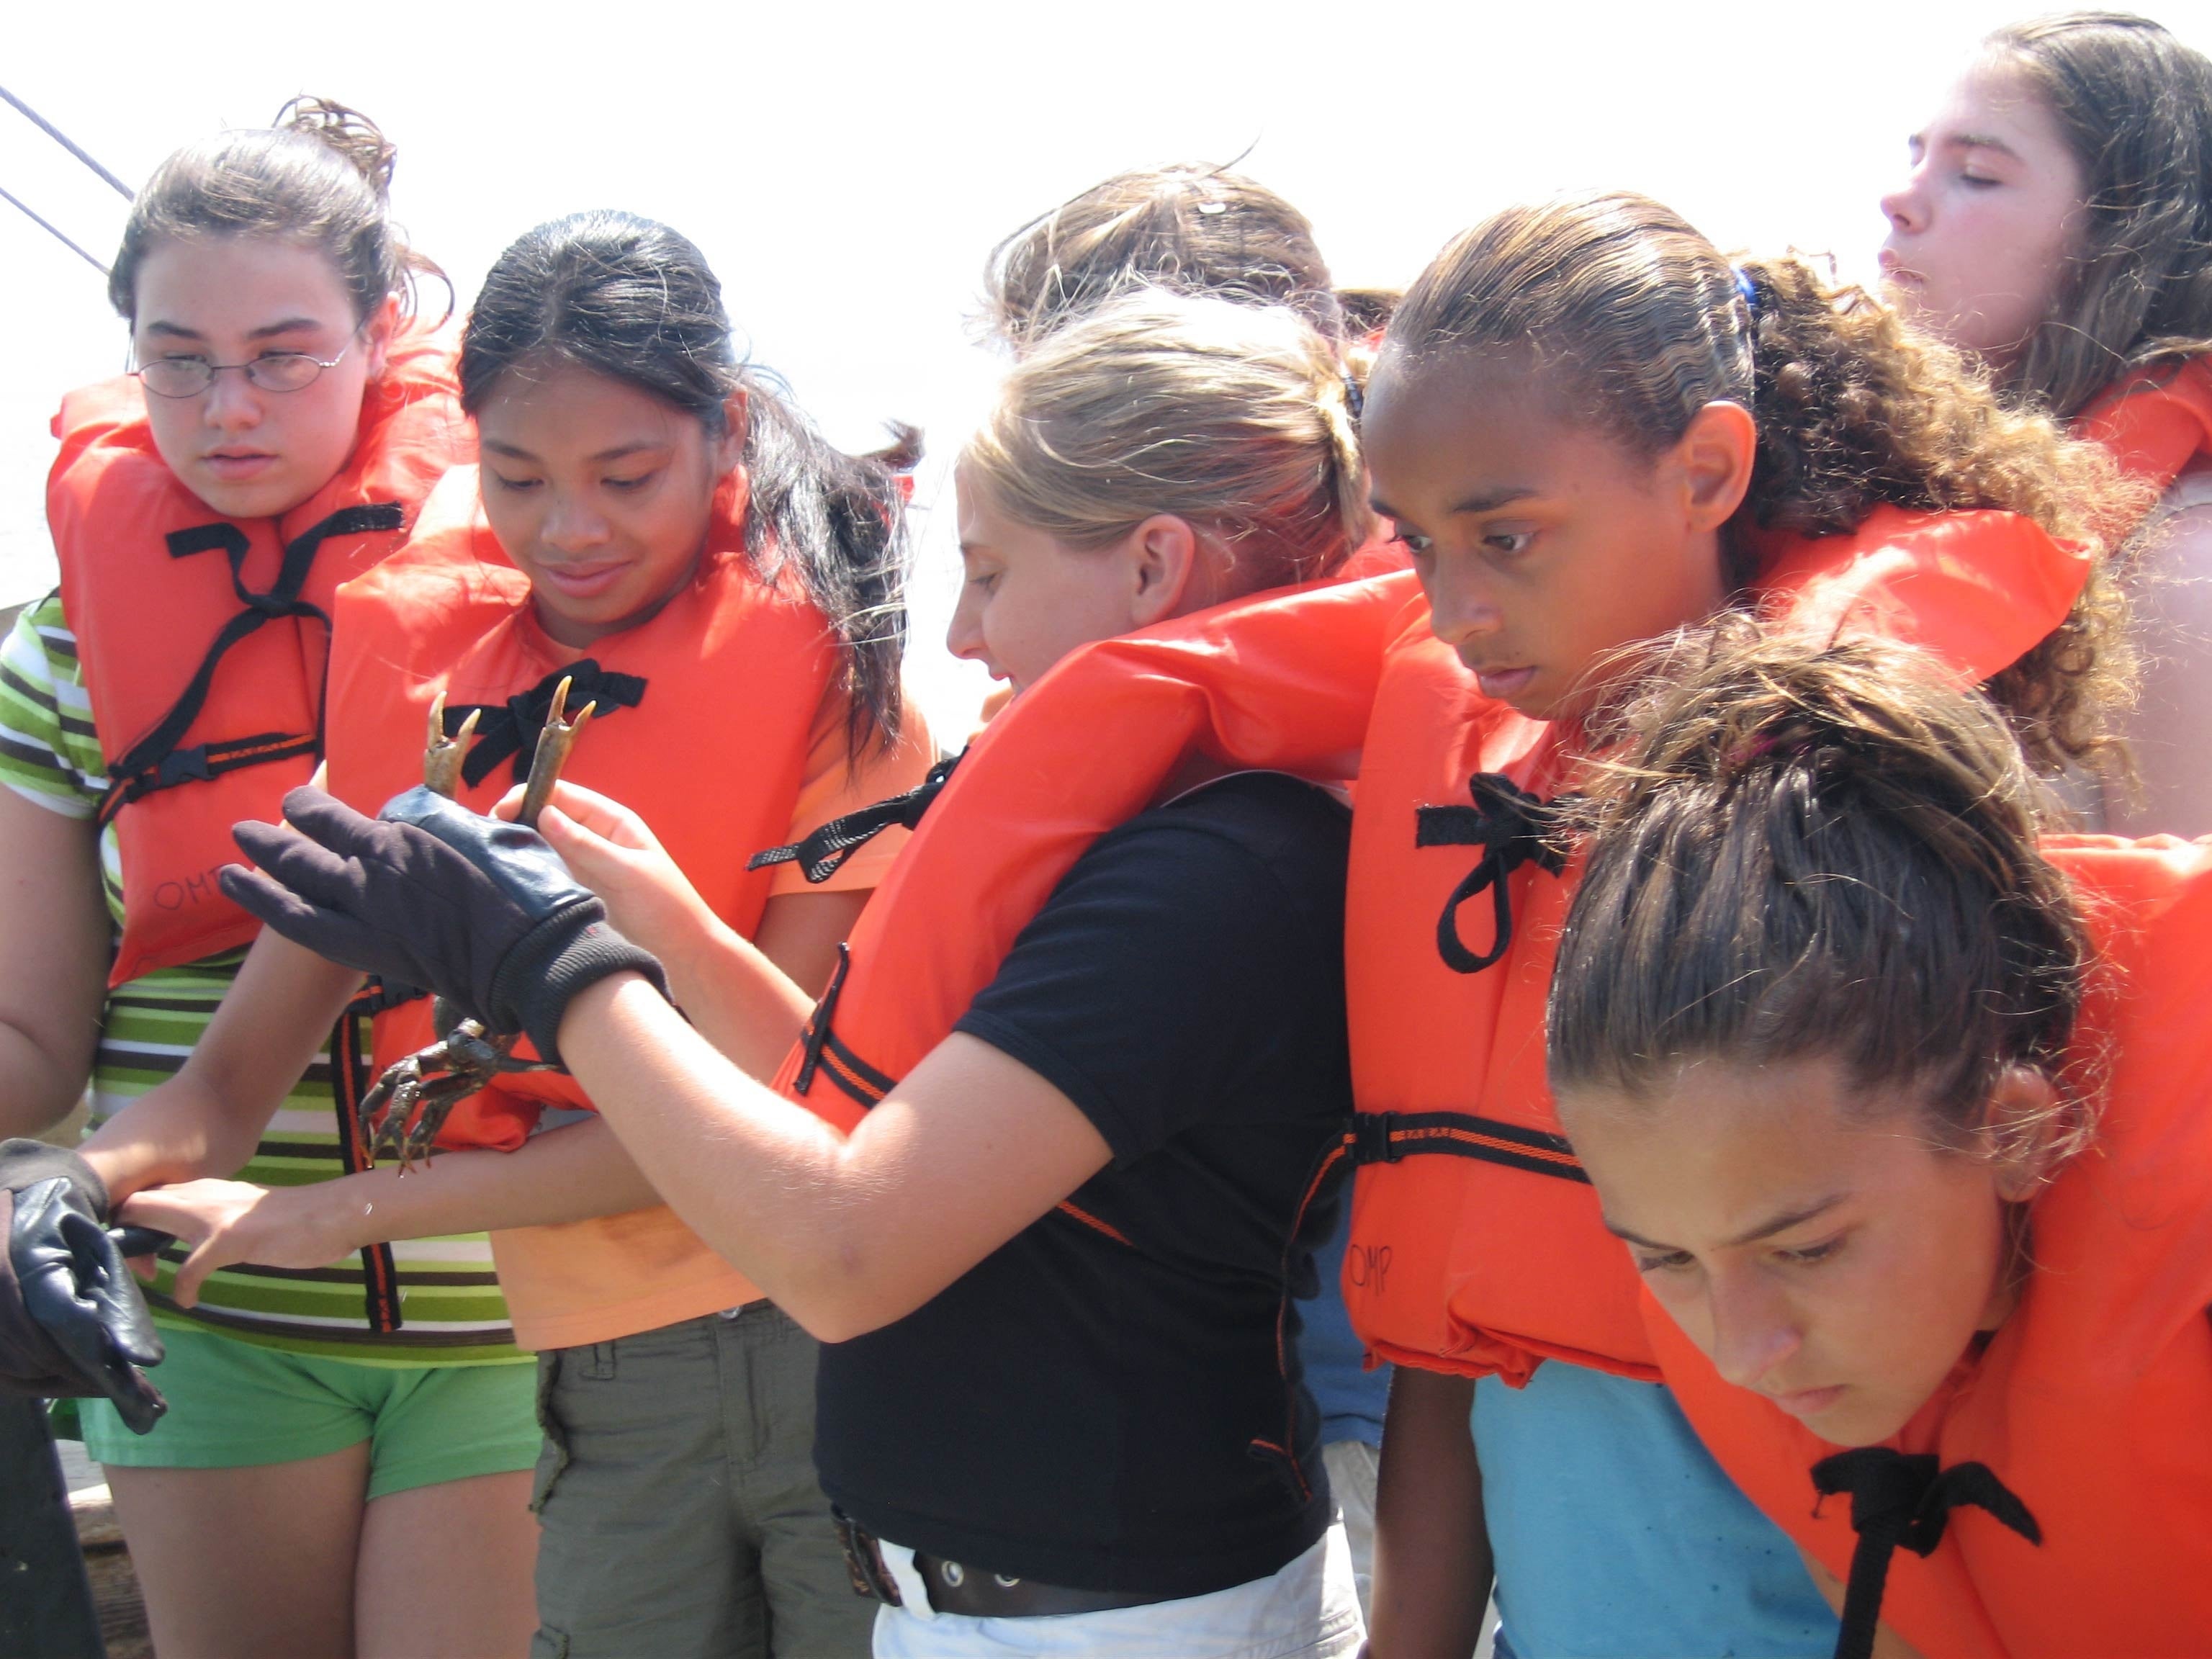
442	756
414	1107
555	740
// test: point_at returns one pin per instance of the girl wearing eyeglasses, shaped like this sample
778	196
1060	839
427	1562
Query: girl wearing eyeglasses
344	1466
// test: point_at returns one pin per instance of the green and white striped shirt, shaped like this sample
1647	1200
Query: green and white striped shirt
450	1312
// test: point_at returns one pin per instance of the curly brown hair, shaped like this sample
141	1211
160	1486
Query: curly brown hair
1635	322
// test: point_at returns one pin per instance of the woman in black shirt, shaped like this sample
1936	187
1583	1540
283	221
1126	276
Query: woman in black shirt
1060	1405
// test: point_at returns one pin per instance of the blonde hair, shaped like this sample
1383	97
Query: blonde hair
1234	418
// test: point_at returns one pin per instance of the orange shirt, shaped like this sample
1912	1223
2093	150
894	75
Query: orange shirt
593	1281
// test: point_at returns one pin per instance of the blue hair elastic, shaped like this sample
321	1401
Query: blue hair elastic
1745	291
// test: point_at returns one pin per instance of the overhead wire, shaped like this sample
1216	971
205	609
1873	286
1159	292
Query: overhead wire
17	202
81	155
68	143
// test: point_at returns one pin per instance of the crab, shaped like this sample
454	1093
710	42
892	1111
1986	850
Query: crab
402	1115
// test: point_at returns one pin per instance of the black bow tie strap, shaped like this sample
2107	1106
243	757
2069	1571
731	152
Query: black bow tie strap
508	731
155	762
1901	1500
1513	828
820	853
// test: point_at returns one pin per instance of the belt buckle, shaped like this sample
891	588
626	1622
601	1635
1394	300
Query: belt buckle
864	1561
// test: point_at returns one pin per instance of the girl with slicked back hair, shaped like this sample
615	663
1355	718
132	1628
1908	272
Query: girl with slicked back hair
654	523
1591	429
329	1478
1831	1032
2057	222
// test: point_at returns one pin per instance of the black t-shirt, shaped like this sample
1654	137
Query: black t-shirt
1111	1400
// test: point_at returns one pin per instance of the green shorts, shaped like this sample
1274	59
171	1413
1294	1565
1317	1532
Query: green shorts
232	1403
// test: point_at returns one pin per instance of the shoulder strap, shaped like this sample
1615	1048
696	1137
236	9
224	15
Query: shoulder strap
155	762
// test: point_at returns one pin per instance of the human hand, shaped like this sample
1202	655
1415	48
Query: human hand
429	893
72	1322
612	851
227	1222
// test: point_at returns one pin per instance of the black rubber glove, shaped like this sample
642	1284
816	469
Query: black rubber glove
429	893
72	1321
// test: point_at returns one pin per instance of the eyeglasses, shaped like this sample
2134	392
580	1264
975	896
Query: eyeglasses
273	371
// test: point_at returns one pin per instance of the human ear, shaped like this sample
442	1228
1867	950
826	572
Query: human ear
1163	556
1713	459
2019	1128
376	335
730	447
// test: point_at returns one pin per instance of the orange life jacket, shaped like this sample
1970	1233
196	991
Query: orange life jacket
2090	1404
203	640
702	726
1476	1243
1281	681
2156	421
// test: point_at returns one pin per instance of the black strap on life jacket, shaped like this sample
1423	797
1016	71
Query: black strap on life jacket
508	731
155	762
351	1052
1903	1500
823	1052
1387	1136
1513	828
820	853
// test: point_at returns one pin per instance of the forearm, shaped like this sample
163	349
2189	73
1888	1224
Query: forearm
573	1173
181	1130
1432	1563
738	999
763	1181
207	1120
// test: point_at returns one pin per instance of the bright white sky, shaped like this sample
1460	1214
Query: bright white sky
846	167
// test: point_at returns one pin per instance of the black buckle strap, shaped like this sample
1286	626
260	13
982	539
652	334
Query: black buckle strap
146	766
1513	828
1387	1136
508	731
820	853
972	1592
351	1054
821	1050
1903	1500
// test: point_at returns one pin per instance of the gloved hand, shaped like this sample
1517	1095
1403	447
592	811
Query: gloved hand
72	1320
429	893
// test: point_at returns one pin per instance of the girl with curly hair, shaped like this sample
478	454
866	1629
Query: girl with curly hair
1592	430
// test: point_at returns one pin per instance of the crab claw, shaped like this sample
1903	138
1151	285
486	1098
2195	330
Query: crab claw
442	755
555	740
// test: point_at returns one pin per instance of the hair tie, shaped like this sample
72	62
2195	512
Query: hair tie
1785	747
1354	399
1746	292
